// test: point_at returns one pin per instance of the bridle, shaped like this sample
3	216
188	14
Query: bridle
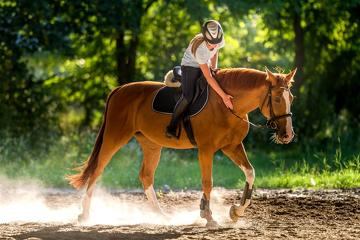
271	123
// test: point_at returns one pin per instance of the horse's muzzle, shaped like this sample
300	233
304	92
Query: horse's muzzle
286	138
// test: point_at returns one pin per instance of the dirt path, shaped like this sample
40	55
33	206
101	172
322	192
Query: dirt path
274	214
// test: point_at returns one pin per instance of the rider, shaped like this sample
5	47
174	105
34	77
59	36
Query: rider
199	57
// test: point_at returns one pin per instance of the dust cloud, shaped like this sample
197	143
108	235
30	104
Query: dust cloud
29	201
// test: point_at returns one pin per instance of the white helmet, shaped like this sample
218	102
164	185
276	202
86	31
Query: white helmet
212	32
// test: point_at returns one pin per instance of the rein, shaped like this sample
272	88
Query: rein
272	122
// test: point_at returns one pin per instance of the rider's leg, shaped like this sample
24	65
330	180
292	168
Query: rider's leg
188	83
180	108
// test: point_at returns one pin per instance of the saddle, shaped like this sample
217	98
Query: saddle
166	98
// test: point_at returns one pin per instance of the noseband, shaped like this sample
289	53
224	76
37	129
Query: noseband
272	122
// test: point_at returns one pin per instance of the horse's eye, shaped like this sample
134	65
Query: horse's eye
277	99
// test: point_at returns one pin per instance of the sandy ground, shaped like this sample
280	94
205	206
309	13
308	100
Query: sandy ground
274	214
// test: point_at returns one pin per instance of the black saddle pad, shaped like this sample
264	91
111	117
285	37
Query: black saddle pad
167	97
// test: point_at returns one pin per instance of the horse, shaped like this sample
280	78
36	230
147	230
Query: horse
128	113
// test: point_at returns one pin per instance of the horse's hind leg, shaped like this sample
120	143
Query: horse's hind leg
109	147
151	157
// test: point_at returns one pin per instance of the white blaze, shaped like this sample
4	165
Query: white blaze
286	95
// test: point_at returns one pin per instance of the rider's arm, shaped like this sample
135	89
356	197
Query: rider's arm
214	60
214	85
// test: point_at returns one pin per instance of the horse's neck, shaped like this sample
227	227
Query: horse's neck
249	100
247	86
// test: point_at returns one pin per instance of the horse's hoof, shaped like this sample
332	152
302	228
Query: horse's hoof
212	224
82	218
233	215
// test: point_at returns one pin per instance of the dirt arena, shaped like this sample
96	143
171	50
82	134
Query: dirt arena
274	214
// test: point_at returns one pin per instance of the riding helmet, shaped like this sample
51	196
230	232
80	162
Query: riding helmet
212	32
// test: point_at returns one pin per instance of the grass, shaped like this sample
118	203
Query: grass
347	178
179	169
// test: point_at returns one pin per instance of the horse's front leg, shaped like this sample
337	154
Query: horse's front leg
238	155
206	162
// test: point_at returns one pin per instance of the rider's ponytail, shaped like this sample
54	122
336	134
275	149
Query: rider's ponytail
195	43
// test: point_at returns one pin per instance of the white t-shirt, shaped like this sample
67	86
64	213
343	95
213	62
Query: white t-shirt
202	54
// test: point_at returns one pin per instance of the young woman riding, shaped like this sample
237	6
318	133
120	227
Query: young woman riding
199	57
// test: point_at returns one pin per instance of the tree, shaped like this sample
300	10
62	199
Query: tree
27	27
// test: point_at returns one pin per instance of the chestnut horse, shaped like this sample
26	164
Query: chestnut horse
129	113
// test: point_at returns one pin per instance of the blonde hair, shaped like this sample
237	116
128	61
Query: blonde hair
195	42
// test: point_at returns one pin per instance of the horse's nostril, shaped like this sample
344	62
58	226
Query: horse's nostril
285	136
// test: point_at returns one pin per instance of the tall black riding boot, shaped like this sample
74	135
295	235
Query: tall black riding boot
180	108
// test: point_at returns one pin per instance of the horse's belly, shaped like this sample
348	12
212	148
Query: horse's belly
153	126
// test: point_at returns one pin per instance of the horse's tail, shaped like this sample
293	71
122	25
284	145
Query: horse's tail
87	169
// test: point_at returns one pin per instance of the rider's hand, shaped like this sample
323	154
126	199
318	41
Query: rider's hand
214	70
227	101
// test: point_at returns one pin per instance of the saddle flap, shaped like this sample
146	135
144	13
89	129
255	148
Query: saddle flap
167	97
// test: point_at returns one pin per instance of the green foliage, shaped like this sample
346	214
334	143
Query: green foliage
59	60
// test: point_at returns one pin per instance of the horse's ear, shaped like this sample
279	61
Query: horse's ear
270	77
289	77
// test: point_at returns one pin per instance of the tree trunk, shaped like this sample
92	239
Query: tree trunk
299	50
121	58
126	54
134	43
126	58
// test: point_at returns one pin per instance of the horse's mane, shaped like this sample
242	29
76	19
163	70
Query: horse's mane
247	78
241	78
